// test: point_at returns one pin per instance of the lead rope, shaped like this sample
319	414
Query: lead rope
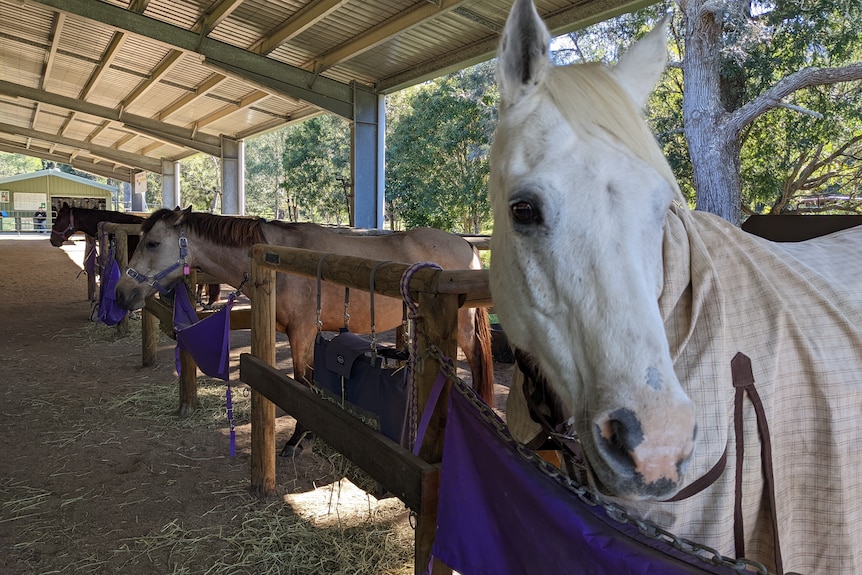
228	396
371	294
412	318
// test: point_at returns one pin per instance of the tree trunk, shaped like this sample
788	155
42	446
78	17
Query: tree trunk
714	147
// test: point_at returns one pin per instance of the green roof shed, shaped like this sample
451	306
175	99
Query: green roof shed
23	195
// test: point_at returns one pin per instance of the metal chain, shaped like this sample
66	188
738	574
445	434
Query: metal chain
615	511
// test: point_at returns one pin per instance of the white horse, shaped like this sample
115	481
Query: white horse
632	307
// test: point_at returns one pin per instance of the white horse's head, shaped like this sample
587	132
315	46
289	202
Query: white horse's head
159	261
580	191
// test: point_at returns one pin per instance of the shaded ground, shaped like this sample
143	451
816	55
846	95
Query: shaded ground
98	476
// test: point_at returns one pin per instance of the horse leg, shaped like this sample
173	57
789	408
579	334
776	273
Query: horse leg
213	292
474	337
303	354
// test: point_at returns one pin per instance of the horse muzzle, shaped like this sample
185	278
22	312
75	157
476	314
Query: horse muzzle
130	296
643	458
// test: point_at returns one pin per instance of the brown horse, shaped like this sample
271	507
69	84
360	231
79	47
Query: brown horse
219	246
70	220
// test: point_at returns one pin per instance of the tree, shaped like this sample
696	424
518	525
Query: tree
14	164
749	96
722	99
316	153
437	152
264	174
200	182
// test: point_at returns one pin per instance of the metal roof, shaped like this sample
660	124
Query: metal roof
115	86
4	182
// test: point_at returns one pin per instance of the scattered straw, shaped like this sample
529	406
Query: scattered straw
268	538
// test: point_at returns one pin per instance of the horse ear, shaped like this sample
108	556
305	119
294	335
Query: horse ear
522	60
642	65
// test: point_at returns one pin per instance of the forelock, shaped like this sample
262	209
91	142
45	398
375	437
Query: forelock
594	103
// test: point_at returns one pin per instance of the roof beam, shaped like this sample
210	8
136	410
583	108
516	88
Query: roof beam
117	156
247	101
114	47
381	33
201	90
215	15
328	94
204	26
56	31
169	132
117	172
156	74
298	23
560	22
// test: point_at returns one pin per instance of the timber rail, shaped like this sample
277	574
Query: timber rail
439	294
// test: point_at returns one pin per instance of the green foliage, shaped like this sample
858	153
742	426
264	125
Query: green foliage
316	153
763	42
437	152
264	174
200	183
14	164
786	152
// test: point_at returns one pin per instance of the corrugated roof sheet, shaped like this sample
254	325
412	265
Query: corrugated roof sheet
61	49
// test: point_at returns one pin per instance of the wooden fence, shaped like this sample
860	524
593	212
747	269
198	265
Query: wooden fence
439	295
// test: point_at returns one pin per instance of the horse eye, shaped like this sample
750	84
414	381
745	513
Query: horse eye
524	213
152	245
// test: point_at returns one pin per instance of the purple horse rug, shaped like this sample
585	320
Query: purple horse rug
499	513
208	339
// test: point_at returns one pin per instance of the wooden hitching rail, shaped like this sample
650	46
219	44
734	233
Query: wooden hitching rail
439	295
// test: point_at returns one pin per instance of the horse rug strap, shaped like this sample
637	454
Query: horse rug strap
501	512
743	381
207	339
348	373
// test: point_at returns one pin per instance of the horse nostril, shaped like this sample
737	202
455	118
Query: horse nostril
618	434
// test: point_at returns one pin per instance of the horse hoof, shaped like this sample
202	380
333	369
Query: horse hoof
291	451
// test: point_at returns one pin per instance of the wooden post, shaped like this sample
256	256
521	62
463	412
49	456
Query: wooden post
188	384
90	245
437	324
262	410
121	255
149	337
188	367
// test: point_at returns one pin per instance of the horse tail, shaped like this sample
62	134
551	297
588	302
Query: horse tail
483	382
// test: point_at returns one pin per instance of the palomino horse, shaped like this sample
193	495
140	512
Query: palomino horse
70	220
634	309
219	246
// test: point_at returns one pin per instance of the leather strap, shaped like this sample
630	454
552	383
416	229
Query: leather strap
701	482
743	381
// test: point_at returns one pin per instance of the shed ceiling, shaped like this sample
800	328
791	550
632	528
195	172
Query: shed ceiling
113	87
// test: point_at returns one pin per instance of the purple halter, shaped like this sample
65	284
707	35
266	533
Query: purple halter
154	279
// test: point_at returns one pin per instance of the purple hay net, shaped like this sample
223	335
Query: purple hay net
110	312
207	340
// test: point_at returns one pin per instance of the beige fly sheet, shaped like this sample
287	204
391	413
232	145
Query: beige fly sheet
795	309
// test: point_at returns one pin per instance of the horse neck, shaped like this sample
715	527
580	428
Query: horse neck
88	220
228	263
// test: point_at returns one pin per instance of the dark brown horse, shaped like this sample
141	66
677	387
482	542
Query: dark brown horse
219	246
71	219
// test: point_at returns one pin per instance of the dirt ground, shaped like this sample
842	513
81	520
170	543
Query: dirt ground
97	474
